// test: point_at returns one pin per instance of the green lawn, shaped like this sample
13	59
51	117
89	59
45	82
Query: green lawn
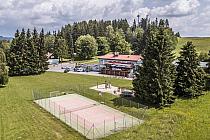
20	118
202	43
91	61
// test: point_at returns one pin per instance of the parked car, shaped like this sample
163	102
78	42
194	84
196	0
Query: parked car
68	69
64	67
80	69
127	93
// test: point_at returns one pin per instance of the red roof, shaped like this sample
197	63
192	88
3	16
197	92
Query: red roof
121	57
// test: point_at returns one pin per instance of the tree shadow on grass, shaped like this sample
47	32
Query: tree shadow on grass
3	86
135	102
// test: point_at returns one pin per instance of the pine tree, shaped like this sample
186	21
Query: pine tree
35	55
155	78
27	54
177	34
190	78
137	41
134	25
3	69
42	52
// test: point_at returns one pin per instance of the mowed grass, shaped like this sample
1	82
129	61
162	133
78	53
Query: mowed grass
202	44
20	118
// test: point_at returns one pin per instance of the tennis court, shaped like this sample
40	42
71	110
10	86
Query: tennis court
88	117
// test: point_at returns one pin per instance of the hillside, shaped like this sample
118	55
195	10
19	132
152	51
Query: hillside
21	119
6	38
202	43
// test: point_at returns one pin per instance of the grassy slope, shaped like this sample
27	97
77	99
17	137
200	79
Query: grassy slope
21	119
202	44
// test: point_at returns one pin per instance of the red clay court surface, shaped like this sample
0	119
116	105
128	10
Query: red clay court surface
88	117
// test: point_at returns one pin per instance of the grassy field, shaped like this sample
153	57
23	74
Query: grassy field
20	118
202	43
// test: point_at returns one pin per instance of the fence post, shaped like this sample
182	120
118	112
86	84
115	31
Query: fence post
65	114
54	109
59	111
84	127
42	102
125	123
49	106
93	131
114	124
45	103
33	98
104	128
70	118
77	122
132	120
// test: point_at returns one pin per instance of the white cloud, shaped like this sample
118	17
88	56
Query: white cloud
55	13
52	14
178	8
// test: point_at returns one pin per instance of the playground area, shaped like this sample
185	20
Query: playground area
108	88
90	118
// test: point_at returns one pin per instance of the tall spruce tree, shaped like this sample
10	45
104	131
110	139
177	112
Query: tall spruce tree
3	69
190	77
42	52
14	56
27	54
155	77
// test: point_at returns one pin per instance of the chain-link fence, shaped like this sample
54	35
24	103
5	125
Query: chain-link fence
90	129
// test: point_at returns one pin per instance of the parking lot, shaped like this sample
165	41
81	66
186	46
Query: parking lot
71	69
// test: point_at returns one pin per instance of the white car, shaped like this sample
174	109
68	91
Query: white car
80	70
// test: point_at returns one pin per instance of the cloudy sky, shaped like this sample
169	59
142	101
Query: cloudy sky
189	17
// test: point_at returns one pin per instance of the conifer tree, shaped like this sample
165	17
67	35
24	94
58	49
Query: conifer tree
42	52
14	56
27	54
155	77
36	61
190	77
3	69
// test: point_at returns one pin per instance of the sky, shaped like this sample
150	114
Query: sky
189	17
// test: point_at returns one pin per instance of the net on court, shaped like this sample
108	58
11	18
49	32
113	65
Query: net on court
88	117
64	111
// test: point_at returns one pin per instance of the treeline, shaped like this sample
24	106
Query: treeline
110	36
27	54
159	81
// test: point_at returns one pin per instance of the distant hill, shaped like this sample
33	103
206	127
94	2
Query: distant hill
202	43
6	38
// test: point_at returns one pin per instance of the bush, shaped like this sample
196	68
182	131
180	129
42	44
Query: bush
4	78
207	85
